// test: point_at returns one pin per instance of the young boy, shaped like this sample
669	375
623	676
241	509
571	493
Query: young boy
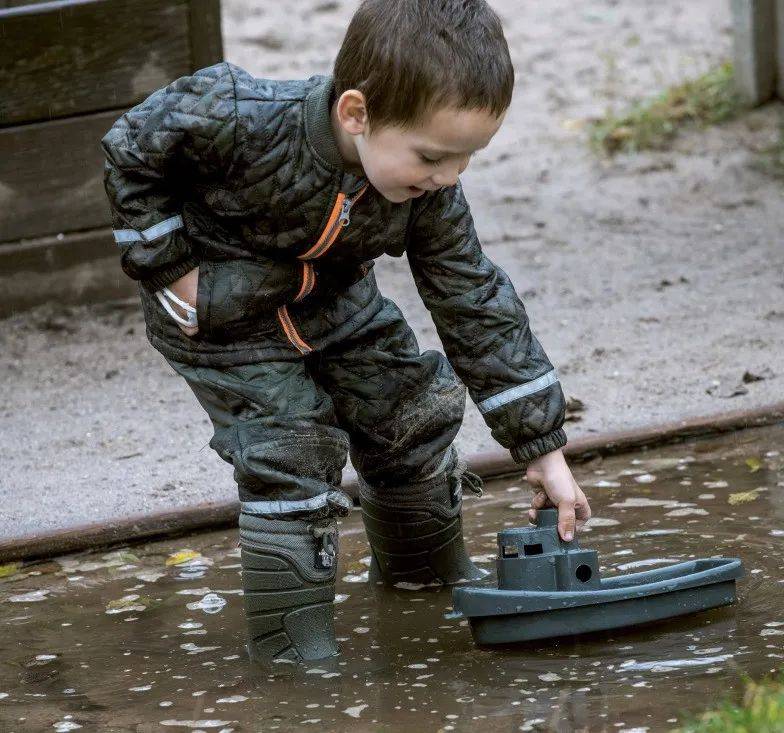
250	211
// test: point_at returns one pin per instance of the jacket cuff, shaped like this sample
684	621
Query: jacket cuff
546	443
162	278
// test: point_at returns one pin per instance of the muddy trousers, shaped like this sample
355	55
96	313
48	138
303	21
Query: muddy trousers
287	425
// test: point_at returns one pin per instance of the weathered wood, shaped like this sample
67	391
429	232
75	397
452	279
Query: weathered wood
51	177
56	253
72	269
205	33
754	24
69	58
780	50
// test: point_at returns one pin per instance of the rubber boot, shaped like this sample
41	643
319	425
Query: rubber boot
288	577
416	531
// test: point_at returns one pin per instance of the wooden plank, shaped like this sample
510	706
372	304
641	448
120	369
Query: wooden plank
73	269
780	50
51	177
205	33
69	58
754	25
49	254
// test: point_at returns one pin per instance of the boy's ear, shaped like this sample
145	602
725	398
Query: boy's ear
352	112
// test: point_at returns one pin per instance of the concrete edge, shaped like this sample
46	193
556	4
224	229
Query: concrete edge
488	464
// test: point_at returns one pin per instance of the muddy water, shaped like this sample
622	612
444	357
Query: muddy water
150	638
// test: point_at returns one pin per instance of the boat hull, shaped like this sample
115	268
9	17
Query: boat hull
498	616
491	630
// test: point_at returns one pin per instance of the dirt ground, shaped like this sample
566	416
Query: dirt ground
655	281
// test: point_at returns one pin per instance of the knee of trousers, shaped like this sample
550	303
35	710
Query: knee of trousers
413	439
284	461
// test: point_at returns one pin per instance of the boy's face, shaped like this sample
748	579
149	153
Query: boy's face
405	163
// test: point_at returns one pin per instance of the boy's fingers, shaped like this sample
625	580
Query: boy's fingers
539	500
582	508
566	520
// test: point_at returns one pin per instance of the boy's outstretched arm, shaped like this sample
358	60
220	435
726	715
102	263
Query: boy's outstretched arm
485	331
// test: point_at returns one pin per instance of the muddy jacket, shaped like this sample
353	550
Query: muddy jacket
242	177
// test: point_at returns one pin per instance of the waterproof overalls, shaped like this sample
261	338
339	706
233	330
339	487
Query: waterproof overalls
299	360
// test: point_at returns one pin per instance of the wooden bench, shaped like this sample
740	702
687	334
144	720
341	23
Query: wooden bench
759	48
68	70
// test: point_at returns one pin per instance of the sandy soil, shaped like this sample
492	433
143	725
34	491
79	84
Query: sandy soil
654	281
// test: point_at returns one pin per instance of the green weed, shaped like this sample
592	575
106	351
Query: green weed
706	100
761	711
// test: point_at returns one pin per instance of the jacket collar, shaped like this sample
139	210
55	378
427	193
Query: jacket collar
318	125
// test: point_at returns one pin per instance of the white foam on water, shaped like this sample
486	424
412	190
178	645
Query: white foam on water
211	603
198	723
355	711
667	665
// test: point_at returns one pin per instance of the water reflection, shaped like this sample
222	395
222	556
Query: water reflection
150	637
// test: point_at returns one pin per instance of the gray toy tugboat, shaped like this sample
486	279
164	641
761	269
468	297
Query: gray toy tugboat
547	587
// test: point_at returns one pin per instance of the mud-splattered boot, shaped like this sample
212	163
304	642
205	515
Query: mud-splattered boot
288	577
416	531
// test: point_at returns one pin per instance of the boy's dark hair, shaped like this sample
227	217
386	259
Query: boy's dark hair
410	57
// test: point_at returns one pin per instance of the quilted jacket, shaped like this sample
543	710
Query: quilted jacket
242	176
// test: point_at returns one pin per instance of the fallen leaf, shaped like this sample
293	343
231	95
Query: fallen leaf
754	464
178	558
10	569
574	407
127	603
749	377
742	497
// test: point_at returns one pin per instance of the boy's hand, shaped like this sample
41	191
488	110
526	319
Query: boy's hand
186	289
557	488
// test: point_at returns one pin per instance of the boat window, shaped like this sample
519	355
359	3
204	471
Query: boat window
583	573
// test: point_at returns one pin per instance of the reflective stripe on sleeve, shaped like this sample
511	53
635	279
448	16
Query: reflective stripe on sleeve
515	393
126	236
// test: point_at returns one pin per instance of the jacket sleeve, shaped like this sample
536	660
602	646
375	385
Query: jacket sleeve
484	328
181	134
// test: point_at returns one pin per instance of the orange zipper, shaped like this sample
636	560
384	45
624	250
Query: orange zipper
291	332
339	219
308	281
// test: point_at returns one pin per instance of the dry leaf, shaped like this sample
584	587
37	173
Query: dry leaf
10	569
754	464
743	497
183	556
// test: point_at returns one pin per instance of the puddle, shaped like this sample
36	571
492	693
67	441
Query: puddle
149	638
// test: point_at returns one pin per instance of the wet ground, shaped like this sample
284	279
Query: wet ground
149	638
653	281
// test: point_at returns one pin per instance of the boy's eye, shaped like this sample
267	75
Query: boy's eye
425	159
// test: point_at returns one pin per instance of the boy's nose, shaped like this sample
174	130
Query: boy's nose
447	174
446	177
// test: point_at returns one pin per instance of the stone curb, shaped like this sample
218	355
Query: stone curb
488	464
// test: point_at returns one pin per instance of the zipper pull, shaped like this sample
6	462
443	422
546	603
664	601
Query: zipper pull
344	217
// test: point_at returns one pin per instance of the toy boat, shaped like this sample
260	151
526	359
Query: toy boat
548	588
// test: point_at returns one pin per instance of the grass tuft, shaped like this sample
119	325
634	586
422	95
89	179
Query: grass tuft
762	711
707	100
